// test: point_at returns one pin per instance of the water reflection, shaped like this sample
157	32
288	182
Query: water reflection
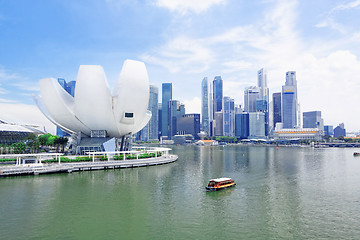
288	193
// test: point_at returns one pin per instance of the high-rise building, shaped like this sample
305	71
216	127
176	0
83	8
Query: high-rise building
165	116
313	120
289	102
217	94
177	110
276	108
150	131
256	124
262	84
340	131
160	120
251	94
329	130
189	124
153	107
242	125
229	117
70	88
262	104
205	106
218	124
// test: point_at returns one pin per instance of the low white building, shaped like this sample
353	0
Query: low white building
298	133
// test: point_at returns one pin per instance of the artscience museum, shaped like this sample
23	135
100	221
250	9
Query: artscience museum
96	115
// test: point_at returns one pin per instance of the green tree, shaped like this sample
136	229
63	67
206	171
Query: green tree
43	139
60	141
32	142
51	140
63	141
18	147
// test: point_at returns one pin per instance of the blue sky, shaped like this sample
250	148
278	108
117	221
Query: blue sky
182	41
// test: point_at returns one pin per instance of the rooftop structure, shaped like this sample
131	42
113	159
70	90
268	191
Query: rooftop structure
11	133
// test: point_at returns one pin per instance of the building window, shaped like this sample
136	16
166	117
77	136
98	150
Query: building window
129	115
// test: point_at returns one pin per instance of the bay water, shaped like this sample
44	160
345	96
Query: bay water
284	193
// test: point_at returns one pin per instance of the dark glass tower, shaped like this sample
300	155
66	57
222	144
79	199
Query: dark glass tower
153	107
218	94
277	108
165	118
205	104
289	103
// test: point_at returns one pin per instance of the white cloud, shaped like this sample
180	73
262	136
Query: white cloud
329	20
181	54
3	91
3	100
5	75
25	86
326	71
329	84
235	66
345	6
184	6
193	105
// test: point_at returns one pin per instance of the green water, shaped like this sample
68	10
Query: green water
285	193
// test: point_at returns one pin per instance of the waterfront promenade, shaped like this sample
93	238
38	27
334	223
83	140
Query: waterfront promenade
22	168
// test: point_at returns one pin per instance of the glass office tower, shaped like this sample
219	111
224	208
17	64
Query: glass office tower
289	103
205	106
276	108
251	95
229	117
217	94
165	118
153	107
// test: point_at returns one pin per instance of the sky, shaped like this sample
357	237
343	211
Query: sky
183	41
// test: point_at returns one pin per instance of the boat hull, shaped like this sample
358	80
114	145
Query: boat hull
219	188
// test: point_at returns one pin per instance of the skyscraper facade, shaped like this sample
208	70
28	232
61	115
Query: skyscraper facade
218	124
256	124
251	94
165	116
153	107
262	103
276	108
189	124
329	130
229	117
242	125
217	94
262	84
289	103
160	120
205	106
313	120
177	110
340	131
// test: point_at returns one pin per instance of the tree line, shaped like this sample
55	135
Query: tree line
35	144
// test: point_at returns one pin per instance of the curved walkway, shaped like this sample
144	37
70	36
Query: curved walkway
36	169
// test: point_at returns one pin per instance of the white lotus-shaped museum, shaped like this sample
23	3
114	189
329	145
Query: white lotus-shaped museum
94	107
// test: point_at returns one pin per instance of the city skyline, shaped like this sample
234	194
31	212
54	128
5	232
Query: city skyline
181	43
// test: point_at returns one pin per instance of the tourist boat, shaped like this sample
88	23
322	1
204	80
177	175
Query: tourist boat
220	183
356	153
